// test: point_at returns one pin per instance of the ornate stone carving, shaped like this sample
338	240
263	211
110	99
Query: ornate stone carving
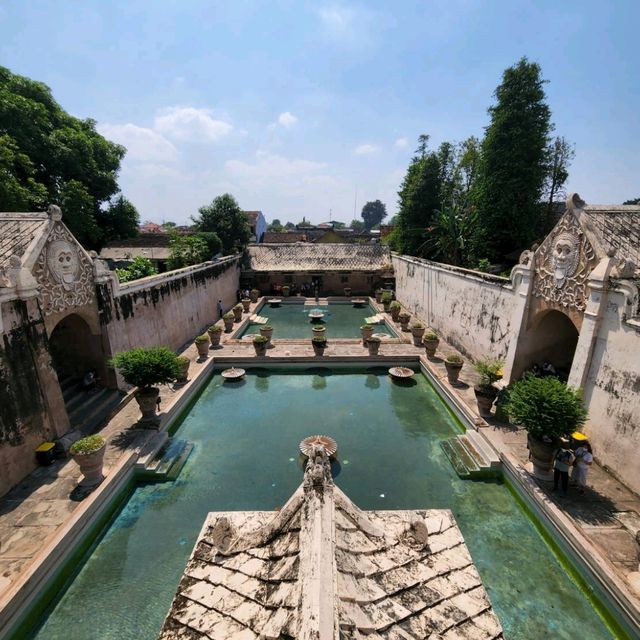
563	264
318	472
64	273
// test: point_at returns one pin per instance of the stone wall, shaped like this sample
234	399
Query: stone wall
471	310
612	393
168	309
29	392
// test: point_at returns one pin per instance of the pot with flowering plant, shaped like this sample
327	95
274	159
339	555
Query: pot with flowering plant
490	371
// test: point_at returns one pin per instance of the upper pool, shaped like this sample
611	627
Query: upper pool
246	437
341	320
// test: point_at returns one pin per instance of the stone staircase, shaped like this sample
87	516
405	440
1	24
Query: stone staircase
472	456
163	458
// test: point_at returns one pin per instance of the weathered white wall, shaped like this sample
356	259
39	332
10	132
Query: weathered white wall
612	393
169	309
471	310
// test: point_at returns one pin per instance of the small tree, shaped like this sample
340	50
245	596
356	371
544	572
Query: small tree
373	213
560	153
357	225
119	220
147	366
187	250
225	218
140	267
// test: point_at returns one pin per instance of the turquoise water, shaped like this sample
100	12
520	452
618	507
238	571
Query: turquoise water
292	321
246	439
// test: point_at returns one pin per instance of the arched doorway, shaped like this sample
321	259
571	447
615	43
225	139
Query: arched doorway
74	349
552	339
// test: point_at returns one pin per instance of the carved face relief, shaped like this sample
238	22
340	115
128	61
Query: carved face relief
62	260
564	257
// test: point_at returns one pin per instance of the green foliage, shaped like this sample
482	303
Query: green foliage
224	217
228	316
490	371
289	226
634	201
266	327
395	305
545	407
560	152
367	326
319	340
182	360
373	213
387	297
357	225
140	267
147	366
276	226
260	339
483	265
119	220
49	156
88	445
454	358
514	163
215	328
201	338
430	335
417	325
214	244
186	250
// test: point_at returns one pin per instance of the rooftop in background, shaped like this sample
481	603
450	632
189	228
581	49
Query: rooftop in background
306	256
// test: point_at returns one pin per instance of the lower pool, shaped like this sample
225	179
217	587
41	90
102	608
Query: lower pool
340	321
246	439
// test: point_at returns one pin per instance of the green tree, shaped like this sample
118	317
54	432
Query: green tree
49	156
289	226
560	154
187	250
357	225
276	226
167	226
225	218
634	201
214	244
514	163
140	267
373	213
119	220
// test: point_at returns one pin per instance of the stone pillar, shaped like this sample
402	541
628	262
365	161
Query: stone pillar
593	314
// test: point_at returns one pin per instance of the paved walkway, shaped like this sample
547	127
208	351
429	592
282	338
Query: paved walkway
31	513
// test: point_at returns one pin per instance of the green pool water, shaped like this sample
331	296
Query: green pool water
246	437
292	321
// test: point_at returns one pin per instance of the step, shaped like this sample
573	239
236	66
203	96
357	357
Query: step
484	447
473	452
156	440
169	461
463	464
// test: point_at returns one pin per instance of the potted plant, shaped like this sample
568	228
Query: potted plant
378	294
490	371
89	454
237	312
227	318
215	333
260	344
453	363
285	290
386	299
246	304
254	294
549	410
183	363
404	318
394	309
202	345
373	344
347	291
319	345
267	331
430	342
417	331
144	368
366	330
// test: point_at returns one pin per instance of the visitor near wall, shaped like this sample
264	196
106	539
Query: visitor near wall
562	460
220	309
584	459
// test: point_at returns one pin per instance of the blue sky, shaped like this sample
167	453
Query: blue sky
293	106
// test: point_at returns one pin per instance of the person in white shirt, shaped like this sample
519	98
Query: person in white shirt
584	459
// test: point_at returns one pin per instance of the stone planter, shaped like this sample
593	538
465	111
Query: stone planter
318	347
373	346
237	313
485	397
254	294
417	333
541	455
453	371
203	349
395	312
228	324
347	291
430	347
246	304
379	296
319	332
261	348
214	338
267	333
404	321
285	291
147	400
185	363
366	334
91	466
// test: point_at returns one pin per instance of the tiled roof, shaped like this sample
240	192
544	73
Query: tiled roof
322	568
252	216
617	228
283	237
317	257
17	231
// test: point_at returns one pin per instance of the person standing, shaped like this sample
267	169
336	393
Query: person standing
584	459
220	309
562	460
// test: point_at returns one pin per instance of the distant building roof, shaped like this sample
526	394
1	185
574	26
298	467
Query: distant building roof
18	231
252	216
151	227
317	257
283	237
154	246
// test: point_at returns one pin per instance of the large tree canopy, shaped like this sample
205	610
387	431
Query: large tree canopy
48	156
514	164
225	218
373	213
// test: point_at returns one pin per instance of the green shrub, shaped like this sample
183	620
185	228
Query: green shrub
256	292
147	366
267	327
545	407
140	267
182	360
431	335
395	305
87	445
387	297
203	338
258	339
366	326
228	316
403	315
238	306
215	328
490	371
454	358
417	325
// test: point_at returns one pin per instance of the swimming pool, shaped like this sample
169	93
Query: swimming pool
246	437
341	320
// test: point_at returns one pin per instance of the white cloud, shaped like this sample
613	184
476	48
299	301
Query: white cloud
402	143
191	124
271	167
143	145
287	119
366	150
337	20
